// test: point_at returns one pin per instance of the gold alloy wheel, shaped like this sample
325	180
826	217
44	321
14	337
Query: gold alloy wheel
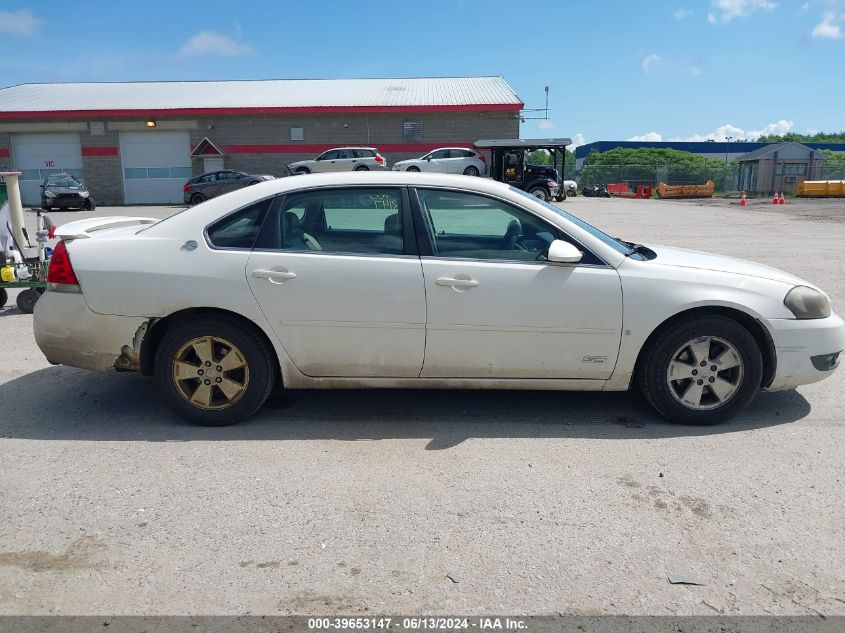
210	373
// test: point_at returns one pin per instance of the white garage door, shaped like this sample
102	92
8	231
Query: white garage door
155	166
37	156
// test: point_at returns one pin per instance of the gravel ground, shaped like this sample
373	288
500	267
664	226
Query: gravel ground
430	502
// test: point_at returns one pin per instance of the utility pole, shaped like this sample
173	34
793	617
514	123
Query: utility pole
728	140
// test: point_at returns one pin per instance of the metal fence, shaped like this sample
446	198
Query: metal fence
833	172
725	177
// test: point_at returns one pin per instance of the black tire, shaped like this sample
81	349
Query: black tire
472	170
654	364
89	205
301	171
362	168
27	299
4	297
197	198
540	192
46	207
560	197
413	168
258	381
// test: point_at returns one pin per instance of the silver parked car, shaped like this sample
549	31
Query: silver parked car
341	159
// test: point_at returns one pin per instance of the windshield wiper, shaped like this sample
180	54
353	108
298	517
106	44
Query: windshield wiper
633	247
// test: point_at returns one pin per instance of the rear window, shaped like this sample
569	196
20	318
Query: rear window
240	229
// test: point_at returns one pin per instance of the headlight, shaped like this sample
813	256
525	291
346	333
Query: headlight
49	194
806	303
84	194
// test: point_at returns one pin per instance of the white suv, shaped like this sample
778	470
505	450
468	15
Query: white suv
341	159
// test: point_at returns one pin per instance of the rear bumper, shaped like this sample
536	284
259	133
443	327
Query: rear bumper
68	332
804	349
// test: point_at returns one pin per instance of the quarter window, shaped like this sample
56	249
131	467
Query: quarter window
464	225
362	221
239	229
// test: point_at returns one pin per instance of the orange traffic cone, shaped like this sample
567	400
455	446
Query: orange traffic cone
782	199
743	201
775	200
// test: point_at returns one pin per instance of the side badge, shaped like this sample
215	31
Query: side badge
595	359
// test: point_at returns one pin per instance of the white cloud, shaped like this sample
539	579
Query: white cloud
648	61
650	137
693	69
828	28
680	14
727	10
545	124
22	23
779	128
578	140
206	43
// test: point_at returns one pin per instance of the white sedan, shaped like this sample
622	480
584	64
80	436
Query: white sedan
390	280
447	160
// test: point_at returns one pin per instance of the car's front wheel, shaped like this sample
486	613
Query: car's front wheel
702	370
301	171
213	371
412	168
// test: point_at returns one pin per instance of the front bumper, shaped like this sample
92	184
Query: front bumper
803	348
64	203
68	332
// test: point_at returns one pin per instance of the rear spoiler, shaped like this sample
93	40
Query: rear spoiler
81	229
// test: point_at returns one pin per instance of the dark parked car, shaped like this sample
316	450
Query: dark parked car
63	191
215	183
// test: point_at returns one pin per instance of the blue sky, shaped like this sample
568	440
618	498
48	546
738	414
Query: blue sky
656	69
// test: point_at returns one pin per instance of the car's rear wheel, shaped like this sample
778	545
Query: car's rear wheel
540	192
362	168
4	297
213	371
412	168
702	370
197	198
27	299
472	170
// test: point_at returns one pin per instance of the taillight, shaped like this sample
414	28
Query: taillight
186	186
380	159
61	272
481	158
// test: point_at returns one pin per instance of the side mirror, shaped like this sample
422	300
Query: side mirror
564	253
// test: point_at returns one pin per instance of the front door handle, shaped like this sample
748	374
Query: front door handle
451	282
273	275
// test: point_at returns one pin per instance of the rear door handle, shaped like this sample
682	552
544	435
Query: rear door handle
451	282
272	275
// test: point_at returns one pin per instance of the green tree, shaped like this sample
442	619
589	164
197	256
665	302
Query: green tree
833	167
819	137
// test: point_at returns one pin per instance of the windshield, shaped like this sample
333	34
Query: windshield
62	180
604	237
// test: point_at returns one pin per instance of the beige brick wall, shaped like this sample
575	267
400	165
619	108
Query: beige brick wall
104	175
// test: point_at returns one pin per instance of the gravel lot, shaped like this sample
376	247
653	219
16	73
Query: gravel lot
432	502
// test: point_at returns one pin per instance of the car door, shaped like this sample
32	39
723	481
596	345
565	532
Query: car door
346	160
453	161
326	162
332	273
228	181
496	309
438	161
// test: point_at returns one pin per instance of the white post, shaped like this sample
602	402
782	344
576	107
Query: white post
15	207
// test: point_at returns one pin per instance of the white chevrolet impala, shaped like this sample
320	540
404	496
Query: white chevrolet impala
366	280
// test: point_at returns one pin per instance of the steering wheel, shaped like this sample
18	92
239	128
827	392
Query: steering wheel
511	236
310	242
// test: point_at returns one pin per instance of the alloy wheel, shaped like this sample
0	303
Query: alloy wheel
704	373
210	372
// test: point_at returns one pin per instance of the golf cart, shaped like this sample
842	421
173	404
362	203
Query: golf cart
509	163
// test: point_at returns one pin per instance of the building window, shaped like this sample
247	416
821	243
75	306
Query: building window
297	134
412	131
